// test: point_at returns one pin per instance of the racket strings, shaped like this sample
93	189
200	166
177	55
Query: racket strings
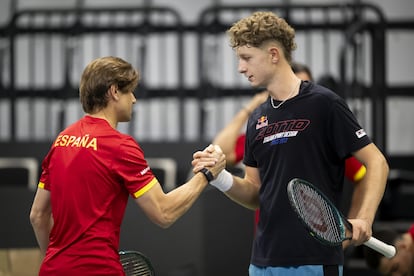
136	265
318	214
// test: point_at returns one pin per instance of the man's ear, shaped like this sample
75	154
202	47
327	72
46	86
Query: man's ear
113	92
274	52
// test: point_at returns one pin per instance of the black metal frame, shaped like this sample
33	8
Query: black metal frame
76	26
211	22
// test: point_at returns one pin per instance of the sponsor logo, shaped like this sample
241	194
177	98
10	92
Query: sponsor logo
262	122
280	132
144	171
360	133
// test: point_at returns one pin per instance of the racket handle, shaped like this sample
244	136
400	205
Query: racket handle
381	247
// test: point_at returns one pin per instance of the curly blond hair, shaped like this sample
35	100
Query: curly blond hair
261	27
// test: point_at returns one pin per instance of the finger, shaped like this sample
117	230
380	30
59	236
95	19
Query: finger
209	148
197	169
208	163
204	154
195	162
204	162
197	154
218	149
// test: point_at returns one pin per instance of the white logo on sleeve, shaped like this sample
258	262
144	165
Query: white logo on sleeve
144	171
360	133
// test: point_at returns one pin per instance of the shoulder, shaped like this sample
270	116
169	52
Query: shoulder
316	90
127	142
323	98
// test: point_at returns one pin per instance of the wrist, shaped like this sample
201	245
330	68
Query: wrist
207	173
224	181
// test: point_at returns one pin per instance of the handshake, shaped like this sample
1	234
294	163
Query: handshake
212	161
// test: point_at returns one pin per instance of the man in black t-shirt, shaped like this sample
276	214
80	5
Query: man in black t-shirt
302	131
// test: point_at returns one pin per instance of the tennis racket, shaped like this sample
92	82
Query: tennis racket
323	219
136	264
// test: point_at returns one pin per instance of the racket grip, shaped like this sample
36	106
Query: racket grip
381	247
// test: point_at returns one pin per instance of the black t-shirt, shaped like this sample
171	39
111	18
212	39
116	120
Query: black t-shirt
309	136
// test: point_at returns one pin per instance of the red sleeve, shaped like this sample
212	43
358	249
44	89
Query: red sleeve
354	170
134	169
256	219
411	231
239	149
44	182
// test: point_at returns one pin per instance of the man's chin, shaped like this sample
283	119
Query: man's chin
256	84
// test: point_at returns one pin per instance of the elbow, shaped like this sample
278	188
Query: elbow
159	212
384	166
378	163
38	218
165	225
35	218
254	206
163	218
164	221
381	168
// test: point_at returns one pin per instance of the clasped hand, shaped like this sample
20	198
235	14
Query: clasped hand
212	158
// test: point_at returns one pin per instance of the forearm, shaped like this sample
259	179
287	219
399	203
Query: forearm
369	191
41	218
164	209
228	136
244	193
42	226
178	201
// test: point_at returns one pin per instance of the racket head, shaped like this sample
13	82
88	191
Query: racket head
136	263
317	213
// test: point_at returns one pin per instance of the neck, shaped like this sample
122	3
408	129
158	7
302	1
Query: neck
102	114
284	87
289	90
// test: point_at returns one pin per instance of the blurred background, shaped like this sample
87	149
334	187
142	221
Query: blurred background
190	89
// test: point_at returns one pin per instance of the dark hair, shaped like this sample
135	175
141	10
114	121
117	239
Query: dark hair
372	257
299	68
98	77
